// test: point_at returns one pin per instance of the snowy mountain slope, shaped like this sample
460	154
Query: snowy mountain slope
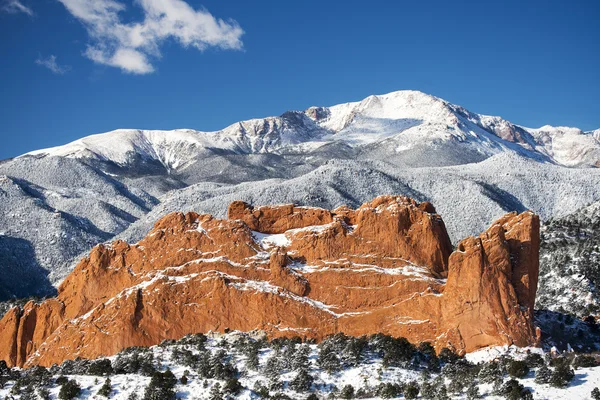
468	197
410	118
569	263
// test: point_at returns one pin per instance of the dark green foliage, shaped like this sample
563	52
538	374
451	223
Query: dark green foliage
272	368
161	386
517	368
100	367
218	367
388	390
428	390
441	393
364	393
473	392
513	390
232	386
461	374
61	380
133	360
490	372
312	396
534	360
543	375
347	392
300	358
69	390
280	396
429	357
196	340
595	394
584	361
448	356
27	393
352	352
261	390
250	349
411	390
328	357
302	382
562	375
106	389
395	352
185	357
43	393
215	392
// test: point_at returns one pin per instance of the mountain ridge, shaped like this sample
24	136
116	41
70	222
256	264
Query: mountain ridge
373	119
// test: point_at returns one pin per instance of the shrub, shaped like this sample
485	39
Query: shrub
584	361
106	389
61	380
448	356
411	390
513	390
69	390
215	392
543	375
427	390
490	372
232	386
302	382
161	386
473	392
261	390
534	360
517	368
100	367
328	359
562	375
388	390
596	394
347	392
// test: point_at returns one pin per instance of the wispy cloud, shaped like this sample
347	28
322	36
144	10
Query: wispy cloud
133	46
15	7
50	63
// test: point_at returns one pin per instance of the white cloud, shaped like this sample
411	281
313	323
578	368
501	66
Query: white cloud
15	6
130	46
50	63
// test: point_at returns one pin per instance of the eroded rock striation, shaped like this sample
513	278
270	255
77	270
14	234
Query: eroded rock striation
386	267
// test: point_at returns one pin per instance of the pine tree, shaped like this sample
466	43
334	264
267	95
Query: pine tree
215	392
106	389
347	392
543	375
302	382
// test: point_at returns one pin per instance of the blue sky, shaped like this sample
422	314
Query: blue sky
70	68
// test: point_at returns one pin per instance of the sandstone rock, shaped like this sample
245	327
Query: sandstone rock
289	270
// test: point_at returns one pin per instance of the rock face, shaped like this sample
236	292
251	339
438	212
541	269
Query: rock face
386	267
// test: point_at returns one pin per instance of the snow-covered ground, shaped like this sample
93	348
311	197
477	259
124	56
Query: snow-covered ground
368	374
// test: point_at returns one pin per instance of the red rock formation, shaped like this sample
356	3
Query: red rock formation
290	271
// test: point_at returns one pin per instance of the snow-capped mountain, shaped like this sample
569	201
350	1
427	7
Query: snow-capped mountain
400	121
57	203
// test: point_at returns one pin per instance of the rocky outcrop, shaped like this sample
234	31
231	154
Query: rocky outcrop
386	267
